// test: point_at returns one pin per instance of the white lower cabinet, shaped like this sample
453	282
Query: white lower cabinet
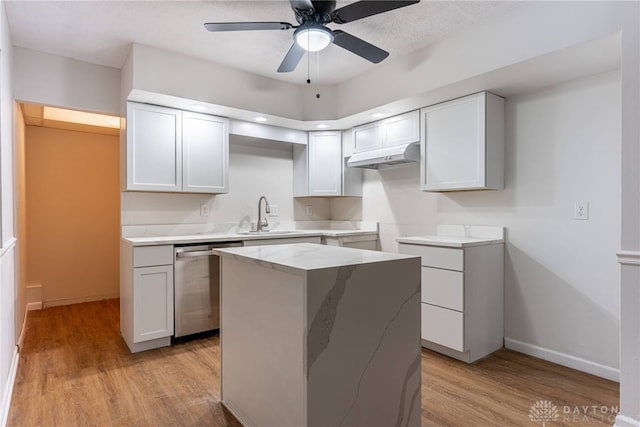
152	302
462	298
146	296
443	326
368	242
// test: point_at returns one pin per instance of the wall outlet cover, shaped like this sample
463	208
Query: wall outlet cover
581	210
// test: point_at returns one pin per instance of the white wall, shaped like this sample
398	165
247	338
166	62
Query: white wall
256	168
168	73
42	78
500	41
8	335
562	279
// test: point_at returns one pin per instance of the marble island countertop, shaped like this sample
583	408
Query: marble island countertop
294	258
240	236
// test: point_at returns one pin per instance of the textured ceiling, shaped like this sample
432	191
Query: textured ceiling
101	32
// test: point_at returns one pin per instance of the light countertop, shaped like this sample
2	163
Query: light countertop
458	236
296	258
236	237
448	241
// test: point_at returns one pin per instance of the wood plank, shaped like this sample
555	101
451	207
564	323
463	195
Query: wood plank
75	370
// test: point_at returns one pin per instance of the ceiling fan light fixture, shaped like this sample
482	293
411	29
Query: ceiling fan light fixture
313	38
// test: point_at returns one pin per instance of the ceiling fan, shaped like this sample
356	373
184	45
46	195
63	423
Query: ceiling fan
312	35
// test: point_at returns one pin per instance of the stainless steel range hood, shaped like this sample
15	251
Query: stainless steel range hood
388	156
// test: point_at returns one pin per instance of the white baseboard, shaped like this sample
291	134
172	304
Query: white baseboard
8	389
34	306
564	359
624	421
69	301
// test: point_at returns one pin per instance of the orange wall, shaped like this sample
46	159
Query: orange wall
73	214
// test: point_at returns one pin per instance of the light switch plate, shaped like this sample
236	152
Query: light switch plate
273	210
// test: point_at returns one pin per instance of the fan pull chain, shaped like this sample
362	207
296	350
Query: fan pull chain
308	63
318	75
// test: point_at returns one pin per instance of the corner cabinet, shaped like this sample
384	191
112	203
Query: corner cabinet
319	168
462	144
146	296
171	150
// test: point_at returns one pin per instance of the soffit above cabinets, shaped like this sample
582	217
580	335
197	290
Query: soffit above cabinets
578	61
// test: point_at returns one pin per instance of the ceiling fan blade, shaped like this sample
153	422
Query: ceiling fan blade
291	60
362	9
301	5
247	26
359	47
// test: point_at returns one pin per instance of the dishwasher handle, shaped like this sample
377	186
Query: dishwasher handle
193	254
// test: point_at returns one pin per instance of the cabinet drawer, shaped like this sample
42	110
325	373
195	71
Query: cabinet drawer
435	256
444	288
443	326
147	256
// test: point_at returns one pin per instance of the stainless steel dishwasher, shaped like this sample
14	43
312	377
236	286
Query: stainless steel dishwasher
197	288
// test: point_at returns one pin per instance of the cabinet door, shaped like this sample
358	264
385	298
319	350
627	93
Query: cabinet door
325	164
154	152
205	153
152	302
402	129
453	144
367	137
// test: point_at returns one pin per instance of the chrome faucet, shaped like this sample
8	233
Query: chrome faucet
262	222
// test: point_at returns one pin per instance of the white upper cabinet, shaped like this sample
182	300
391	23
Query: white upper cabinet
176	151
154	156
396	130
318	168
367	137
205	153
325	163
402	129
462	144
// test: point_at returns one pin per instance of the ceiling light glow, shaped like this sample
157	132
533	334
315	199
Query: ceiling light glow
260	119
313	38
379	115
81	117
198	107
322	126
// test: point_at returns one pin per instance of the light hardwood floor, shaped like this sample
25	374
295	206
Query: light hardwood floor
75	370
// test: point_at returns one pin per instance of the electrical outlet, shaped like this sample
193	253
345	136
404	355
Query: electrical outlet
204	210
581	210
273	210
309	210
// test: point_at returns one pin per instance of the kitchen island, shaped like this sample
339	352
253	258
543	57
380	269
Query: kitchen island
313	335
